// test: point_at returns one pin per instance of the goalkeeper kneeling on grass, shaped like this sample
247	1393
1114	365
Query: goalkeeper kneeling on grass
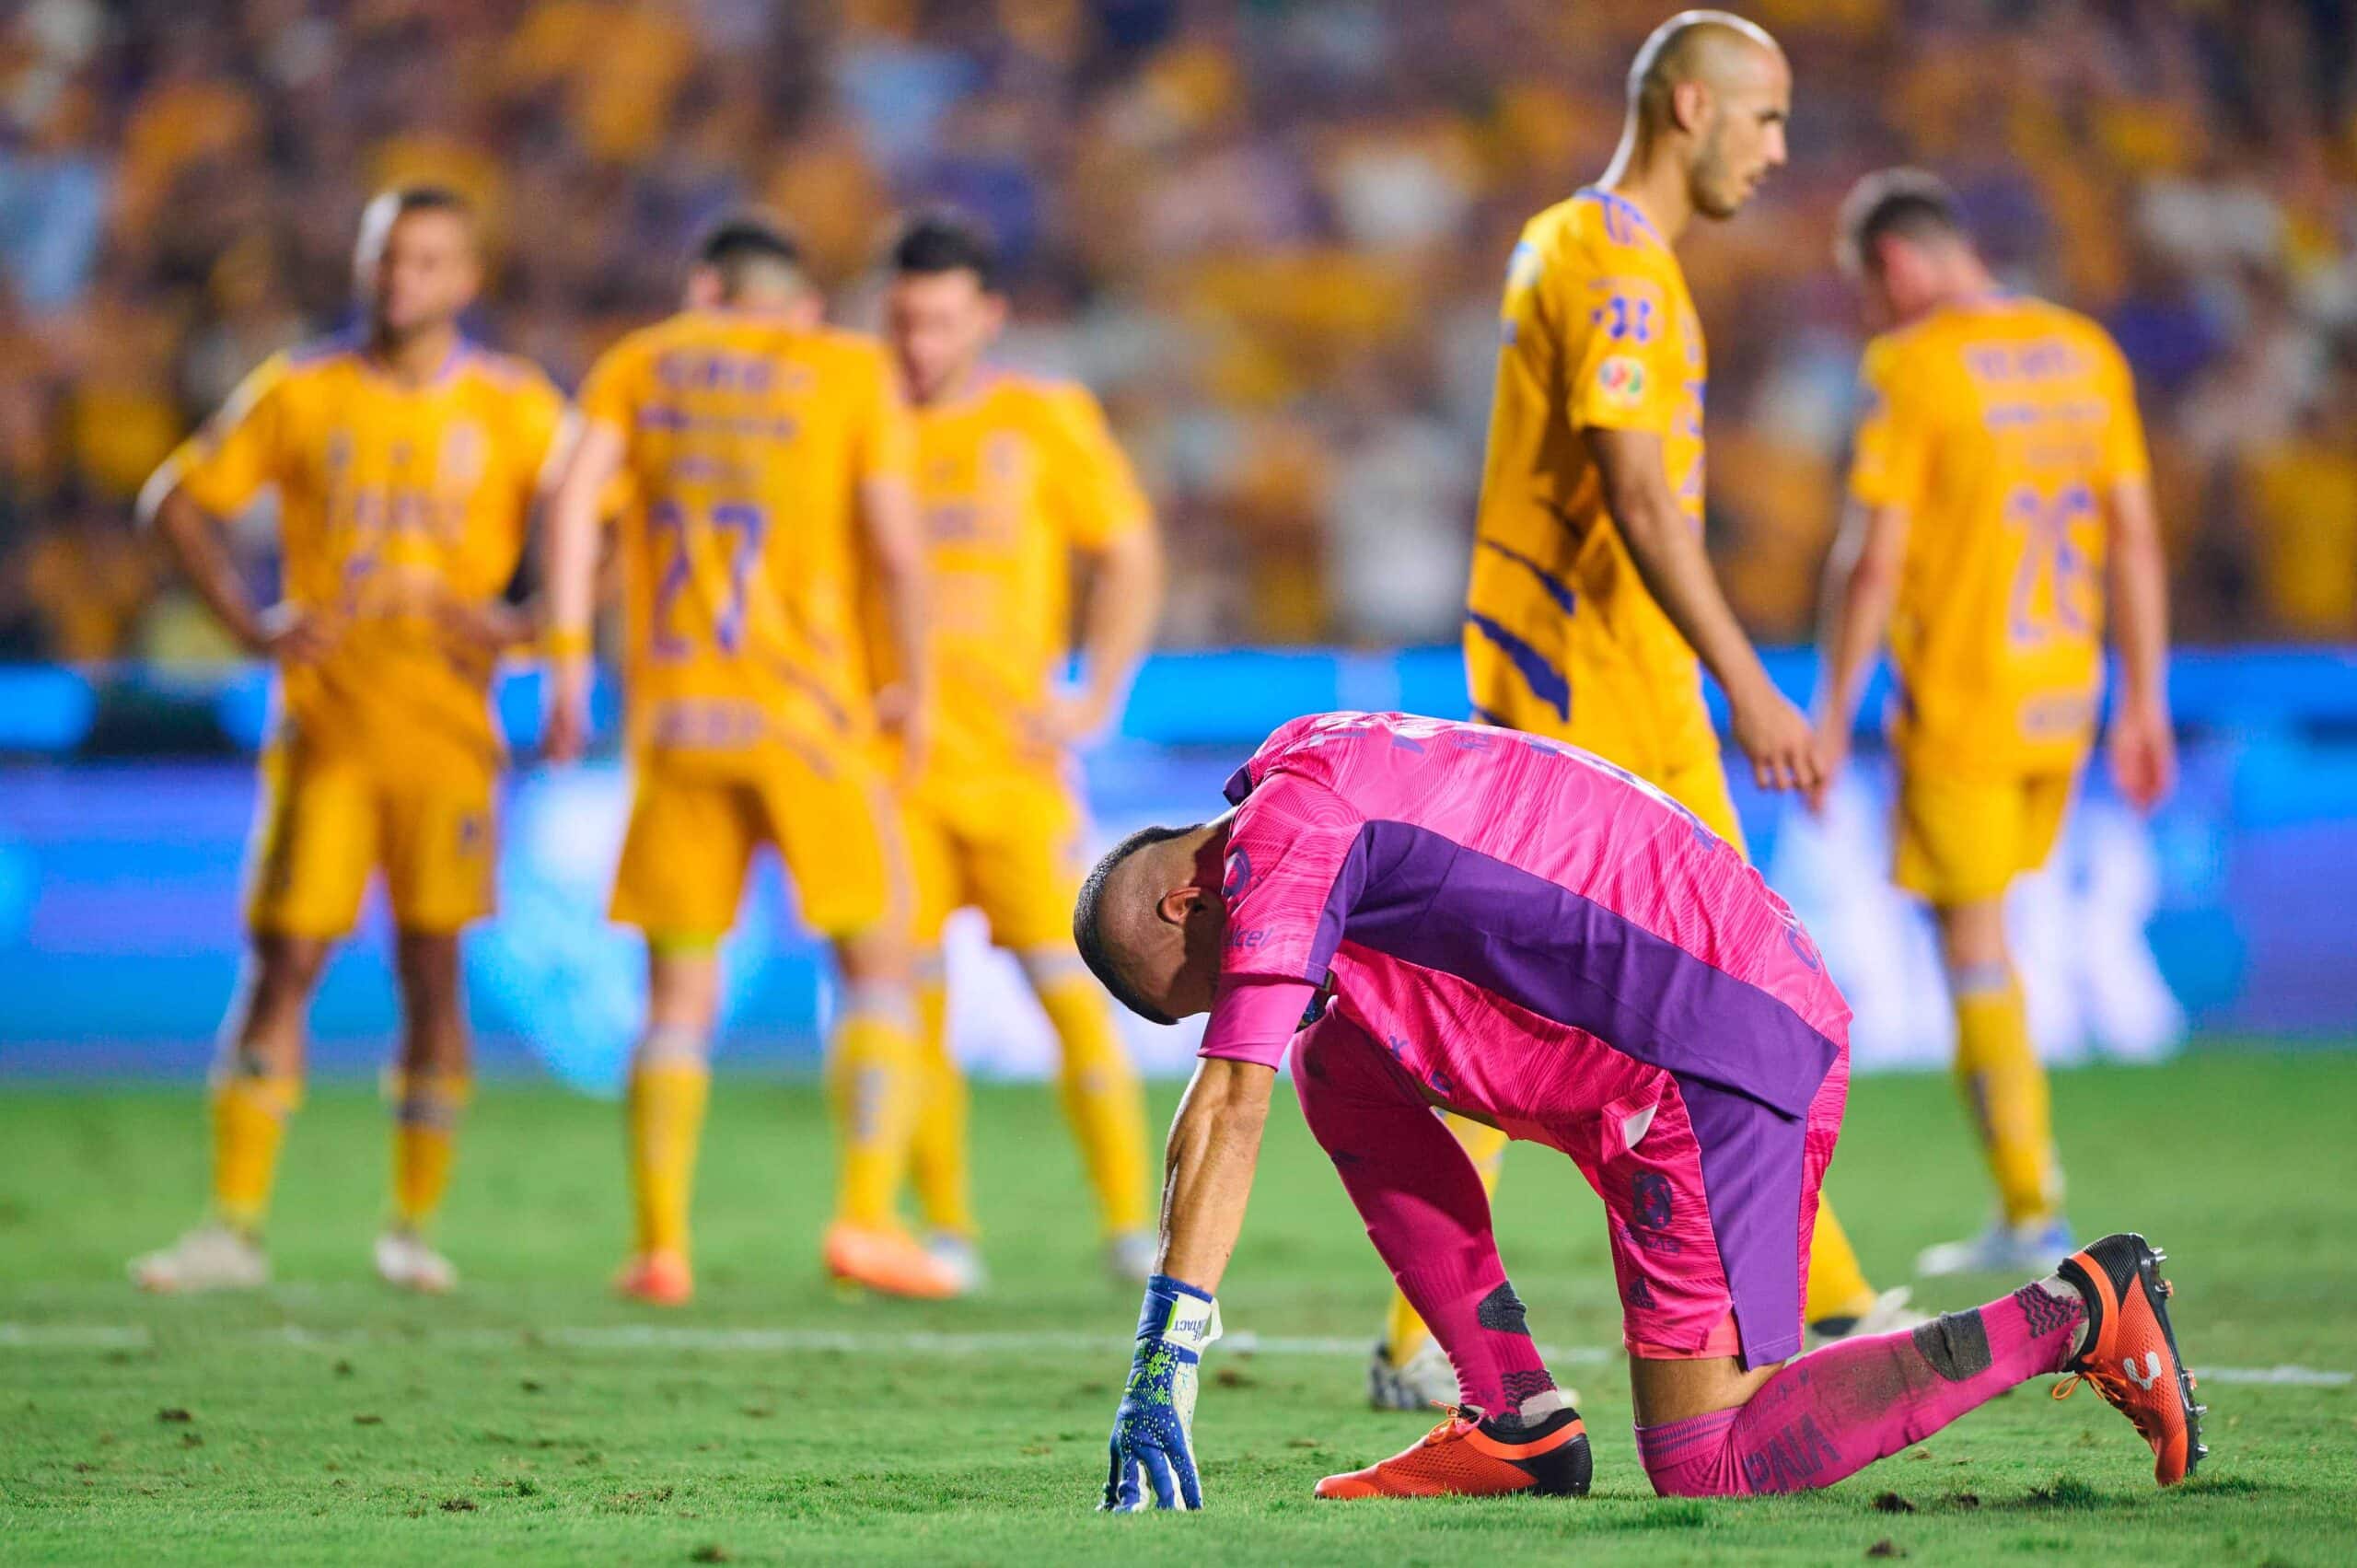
1498	926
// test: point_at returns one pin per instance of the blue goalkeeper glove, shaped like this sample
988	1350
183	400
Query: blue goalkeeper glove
1154	1445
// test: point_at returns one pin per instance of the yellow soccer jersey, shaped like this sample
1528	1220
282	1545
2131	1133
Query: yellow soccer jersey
2001	427
1012	480
747	443
1599	331
392	500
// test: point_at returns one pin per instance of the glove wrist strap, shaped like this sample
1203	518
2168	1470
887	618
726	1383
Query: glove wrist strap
1178	1314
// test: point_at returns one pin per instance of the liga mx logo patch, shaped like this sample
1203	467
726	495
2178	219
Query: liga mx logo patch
1620	380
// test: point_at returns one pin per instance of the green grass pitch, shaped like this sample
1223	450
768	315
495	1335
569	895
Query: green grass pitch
533	1418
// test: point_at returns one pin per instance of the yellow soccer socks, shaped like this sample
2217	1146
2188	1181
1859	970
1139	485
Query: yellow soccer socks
1404	1333
1102	1097
426	1123
670	1083
938	1161
1836	1283
872	1089
249	1111
2003	1088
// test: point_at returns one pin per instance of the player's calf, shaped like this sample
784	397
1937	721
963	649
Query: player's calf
2102	1316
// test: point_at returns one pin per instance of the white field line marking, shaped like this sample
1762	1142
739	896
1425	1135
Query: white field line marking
663	1338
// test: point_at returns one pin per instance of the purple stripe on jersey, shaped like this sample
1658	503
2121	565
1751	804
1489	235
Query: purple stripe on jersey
1557	589
1547	683
1620	213
1424	899
1752	1171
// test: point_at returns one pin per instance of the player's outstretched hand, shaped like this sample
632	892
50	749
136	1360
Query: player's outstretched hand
1153	1443
1776	736
2143	747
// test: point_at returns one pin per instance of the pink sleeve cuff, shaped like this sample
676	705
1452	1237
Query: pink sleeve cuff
1254	1019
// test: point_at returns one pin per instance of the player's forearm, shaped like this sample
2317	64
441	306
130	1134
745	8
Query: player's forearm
2139	603
1670	560
896	554
1124	606
571	592
1676	570
1860	592
196	545
1213	1150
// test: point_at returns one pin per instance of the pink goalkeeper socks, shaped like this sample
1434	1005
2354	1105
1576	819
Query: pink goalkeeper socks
1833	1412
1424	1210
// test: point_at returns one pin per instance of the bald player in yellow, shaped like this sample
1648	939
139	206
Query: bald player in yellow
406	462
1593	610
2001	512
766	460
1018	479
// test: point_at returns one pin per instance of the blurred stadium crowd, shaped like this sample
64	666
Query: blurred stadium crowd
1270	232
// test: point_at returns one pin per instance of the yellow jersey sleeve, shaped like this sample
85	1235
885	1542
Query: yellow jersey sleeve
883	431
2125	459
1089	490
608	394
239	452
1615	318
538	429
1891	462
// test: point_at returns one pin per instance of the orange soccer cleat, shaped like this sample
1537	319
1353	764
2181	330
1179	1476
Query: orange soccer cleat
1467	1456
2129	1351
658	1279
888	1261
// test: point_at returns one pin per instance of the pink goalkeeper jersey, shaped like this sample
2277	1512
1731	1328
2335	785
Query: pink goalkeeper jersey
1533	932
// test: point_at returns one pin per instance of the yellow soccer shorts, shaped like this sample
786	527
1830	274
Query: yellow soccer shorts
692	836
1655	726
329	822
1009	844
1960	839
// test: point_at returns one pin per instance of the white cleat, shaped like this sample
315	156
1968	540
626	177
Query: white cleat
1423	1380
1888	1315
958	1255
406	1262
212	1257
1129	1257
2000	1249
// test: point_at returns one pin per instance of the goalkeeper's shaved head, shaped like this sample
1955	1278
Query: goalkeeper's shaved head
1149	921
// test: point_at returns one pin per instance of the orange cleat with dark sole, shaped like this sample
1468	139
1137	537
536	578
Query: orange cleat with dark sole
889	1262
2129	1351
1468	1456
658	1279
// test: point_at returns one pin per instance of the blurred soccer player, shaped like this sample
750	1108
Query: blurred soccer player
2000	482
768	460
1591	595
1016	477
406	462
